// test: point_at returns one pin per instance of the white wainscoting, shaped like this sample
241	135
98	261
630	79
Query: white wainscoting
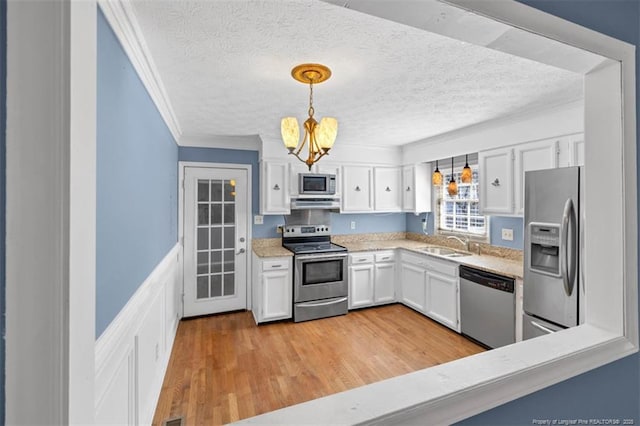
133	352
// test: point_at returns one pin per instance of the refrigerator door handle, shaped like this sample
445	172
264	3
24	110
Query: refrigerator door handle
541	327
568	261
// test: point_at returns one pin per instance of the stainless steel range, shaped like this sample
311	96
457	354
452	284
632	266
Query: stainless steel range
320	285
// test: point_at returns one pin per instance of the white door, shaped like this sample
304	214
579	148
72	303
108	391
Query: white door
215	240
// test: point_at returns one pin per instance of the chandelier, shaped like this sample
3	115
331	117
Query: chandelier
318	137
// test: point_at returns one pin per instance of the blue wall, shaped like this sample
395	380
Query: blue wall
3	144
496	223
137	181
611	391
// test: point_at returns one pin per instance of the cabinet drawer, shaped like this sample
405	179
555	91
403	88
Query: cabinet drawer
442	266
413	258
385	256
275	264
357	259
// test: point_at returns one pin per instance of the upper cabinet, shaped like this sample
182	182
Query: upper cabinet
416	188
387	193
503	170
496	181
532	156
357	189
275	192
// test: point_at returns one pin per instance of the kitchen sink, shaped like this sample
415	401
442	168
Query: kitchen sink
444	252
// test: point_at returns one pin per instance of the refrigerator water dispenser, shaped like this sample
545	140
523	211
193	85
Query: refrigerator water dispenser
544	239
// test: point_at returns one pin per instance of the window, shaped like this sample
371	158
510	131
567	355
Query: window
461	212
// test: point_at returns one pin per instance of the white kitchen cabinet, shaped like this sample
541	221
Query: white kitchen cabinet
532	156
576	148
357	189
413	281
416	188
384	278
387	193
275	192
502	172
371	278
442	292
361	278
272	288
496	181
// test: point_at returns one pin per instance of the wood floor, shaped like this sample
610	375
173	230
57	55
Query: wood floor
224	368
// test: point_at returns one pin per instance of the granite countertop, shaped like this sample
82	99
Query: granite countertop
497	260
508	267
269	247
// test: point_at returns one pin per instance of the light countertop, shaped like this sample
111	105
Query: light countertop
271	247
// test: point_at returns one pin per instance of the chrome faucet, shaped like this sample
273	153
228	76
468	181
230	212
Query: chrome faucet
464	242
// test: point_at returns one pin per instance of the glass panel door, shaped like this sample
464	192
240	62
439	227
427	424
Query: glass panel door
215	213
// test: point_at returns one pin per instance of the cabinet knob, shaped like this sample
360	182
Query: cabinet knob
276	187
496	182
357	189
408	188
388	189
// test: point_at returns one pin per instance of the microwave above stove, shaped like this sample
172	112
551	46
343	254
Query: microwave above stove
316	184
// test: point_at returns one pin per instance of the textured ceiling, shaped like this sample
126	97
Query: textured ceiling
226	68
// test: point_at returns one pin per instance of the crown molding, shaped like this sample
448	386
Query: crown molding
243	142
121	17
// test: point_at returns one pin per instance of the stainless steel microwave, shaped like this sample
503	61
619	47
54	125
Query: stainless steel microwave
316	184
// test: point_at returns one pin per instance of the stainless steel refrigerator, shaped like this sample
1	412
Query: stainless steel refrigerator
552	244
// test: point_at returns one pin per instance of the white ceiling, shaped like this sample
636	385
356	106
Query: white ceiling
226	67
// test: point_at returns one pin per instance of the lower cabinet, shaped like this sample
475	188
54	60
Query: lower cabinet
413	281
372	278
442	292
272	288
430	286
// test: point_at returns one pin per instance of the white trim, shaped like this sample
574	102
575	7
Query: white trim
248	168
457	390
121	16
51	142
243	142
144	316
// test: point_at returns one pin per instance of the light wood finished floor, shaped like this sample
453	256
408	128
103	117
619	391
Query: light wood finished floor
224	368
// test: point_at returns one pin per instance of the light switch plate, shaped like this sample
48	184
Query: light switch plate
507	234
258	219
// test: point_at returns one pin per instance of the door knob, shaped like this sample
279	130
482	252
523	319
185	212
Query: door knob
240	251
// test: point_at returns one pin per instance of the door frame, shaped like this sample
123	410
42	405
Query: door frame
182	165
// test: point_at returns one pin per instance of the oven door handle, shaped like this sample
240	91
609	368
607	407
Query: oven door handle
323	303
322	256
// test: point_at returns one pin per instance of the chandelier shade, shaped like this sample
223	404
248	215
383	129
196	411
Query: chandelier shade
318	137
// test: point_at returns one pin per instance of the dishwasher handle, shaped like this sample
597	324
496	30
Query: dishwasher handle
487	279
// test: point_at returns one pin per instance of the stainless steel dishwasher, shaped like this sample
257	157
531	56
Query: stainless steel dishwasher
487	307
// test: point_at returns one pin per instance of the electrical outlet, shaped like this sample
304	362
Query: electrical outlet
280	229
353	224
258	219
507	234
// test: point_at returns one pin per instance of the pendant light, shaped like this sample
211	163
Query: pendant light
467	175
436	178
452	188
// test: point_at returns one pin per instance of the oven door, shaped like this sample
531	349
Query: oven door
320	276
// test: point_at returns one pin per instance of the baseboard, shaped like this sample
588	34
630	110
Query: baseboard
133	353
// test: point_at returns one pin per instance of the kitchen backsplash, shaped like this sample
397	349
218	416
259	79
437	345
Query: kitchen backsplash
372	223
